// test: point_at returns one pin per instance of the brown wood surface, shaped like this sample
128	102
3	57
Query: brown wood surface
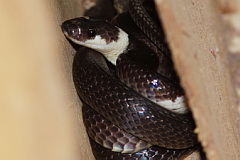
40	115
196	33
233	39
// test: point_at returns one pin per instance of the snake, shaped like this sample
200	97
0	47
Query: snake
131	105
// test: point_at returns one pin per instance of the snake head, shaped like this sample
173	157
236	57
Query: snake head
97	34
84	29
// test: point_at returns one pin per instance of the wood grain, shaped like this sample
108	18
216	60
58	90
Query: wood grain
196	34
40	112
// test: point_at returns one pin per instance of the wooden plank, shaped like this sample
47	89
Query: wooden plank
233	39
196	32
40	112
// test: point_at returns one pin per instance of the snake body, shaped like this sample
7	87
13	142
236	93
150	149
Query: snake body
148	25
151	153
127	109
122	100
119	140
125	22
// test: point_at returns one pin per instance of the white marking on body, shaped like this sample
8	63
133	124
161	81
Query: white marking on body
110	50
177	106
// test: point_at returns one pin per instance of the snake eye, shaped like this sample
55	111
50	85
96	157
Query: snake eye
73	31
91	33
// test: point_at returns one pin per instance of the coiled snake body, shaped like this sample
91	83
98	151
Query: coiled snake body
121	116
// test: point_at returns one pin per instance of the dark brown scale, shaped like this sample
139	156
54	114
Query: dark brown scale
132	69
110	134
152	153
127	109
118	136
152	29
125	22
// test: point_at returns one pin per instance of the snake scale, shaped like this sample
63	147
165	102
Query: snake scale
133	104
